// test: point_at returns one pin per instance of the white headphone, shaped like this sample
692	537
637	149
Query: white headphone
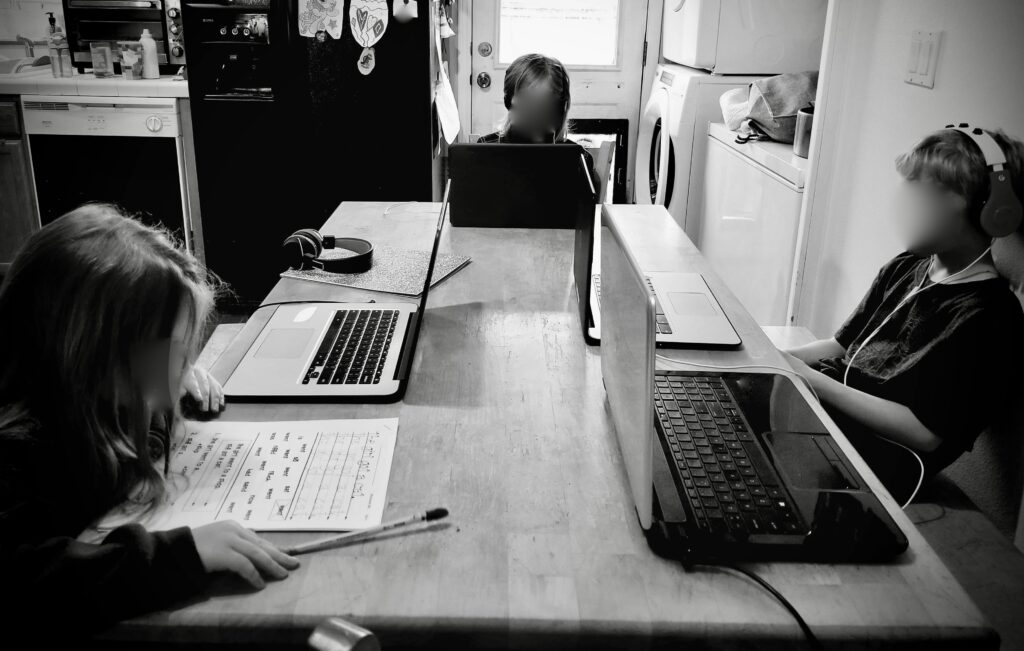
917	291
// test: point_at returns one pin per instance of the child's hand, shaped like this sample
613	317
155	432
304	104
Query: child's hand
227	546
204	389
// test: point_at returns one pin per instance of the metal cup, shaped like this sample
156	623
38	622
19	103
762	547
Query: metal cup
802	136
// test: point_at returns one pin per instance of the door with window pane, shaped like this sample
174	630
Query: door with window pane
601	43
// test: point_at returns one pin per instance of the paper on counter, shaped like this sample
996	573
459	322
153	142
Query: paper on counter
315	475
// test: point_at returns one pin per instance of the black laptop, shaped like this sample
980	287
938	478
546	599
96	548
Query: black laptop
726	466
520	186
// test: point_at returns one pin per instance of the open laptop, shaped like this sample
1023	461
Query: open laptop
687	313
733	465
520	186
335	351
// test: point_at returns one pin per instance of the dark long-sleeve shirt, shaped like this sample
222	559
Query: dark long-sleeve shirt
55	585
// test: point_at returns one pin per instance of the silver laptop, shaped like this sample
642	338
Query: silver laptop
688	314
335	351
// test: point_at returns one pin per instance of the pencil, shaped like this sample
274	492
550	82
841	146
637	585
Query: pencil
324	543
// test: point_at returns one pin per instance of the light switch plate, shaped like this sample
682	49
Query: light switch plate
923	56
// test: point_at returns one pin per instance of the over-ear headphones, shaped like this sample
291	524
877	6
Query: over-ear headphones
304	250
1001	213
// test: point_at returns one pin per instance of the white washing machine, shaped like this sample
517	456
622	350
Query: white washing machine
751	220
672	139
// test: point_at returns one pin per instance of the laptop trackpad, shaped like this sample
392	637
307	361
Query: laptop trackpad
804	464
284	343
691	304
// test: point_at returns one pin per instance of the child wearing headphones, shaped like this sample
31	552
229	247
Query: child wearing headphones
935	349
101	318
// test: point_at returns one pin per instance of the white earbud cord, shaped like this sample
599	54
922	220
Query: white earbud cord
920	289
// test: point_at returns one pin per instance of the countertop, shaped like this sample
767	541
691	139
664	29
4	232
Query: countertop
505	423
43	83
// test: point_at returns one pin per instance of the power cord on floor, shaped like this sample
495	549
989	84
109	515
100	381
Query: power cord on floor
812	639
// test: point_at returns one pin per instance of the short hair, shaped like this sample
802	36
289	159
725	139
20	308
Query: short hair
952	160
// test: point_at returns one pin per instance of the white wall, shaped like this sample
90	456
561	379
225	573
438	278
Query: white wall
877	116
869	115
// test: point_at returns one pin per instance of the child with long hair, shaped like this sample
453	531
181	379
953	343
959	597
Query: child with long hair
537	96
100	322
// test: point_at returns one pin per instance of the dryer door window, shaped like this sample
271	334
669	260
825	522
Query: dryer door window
655	163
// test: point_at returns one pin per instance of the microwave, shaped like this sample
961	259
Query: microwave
744	37
110	21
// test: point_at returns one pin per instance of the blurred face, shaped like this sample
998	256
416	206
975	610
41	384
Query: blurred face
536	114
932	219
162	364
177	358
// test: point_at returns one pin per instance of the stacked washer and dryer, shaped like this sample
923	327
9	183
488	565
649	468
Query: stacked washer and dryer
708	48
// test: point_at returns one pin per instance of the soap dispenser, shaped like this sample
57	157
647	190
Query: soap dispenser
60	51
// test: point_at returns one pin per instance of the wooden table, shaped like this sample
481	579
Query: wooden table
505	423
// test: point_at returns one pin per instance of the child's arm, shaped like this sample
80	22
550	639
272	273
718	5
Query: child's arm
890	419
817	350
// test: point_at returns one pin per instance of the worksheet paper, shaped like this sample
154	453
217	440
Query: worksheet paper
314	475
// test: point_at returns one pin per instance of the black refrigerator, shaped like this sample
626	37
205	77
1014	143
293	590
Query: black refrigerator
287	126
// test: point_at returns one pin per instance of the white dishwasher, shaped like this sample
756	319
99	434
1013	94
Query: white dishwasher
750	220
123	150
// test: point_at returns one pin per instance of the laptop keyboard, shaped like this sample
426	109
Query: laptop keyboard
660	317
729	483
354	348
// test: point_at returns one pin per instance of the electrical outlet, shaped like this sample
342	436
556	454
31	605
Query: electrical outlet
924	53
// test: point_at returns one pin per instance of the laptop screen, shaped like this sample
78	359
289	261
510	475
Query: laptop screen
627	362
437	243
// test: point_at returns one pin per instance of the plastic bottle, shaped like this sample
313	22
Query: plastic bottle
60	54
150	69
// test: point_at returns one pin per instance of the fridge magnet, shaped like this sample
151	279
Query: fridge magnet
405	10
368	20
319	16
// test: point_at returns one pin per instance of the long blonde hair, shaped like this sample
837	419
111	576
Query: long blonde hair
81	297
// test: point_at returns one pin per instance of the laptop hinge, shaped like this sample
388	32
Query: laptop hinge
666	490
408	347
